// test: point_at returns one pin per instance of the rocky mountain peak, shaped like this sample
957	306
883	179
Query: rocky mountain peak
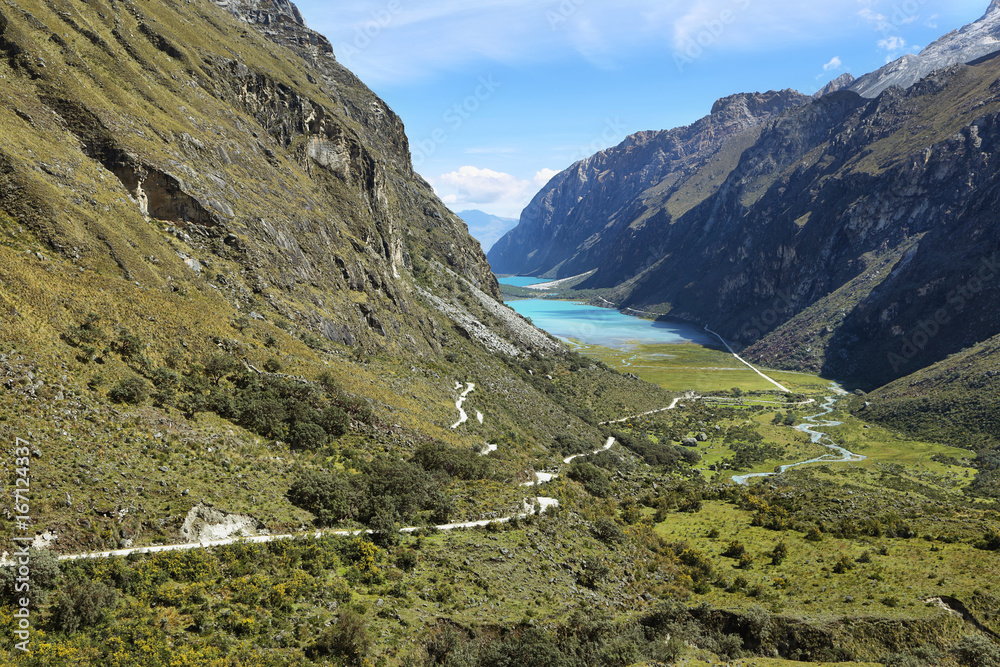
976	40
281	21
751	106
841	82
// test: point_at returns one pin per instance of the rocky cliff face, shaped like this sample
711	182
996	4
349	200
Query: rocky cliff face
242	137
567	226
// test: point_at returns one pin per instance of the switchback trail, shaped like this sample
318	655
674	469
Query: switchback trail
542	503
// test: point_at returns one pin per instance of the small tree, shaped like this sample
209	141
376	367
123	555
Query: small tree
779	554
132	390
346	639
83	604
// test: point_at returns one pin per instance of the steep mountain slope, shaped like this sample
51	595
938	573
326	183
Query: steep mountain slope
566	228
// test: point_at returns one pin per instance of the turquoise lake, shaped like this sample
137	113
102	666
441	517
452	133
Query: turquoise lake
603	326
523	281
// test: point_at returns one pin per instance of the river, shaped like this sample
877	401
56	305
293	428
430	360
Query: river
813	422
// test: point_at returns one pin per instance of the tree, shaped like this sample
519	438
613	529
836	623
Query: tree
132	390
83	604
326	495
347	639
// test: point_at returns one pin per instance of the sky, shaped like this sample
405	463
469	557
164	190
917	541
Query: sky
498	96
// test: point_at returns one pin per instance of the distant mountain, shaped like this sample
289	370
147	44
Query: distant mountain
569	225
846	234
486	228
978	39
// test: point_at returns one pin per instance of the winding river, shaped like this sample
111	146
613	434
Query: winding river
838	455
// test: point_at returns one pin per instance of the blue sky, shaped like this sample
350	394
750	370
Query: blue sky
499	95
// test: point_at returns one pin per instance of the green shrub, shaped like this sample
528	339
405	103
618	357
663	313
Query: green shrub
83	604
132	390
306	435
347	639
326	495
779	554
608	531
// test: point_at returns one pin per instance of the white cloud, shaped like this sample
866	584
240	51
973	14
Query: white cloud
892	44
880	21
483	186
835	63
544	176
495	192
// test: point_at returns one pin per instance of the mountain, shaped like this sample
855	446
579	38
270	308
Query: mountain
978	39
566	228
823	237
486	228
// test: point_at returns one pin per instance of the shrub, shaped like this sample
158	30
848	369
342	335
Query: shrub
323	494
608	531
594	480
990	541
843	565
814	535
779	554
272	365
734	549
461	463
83	604
306	435
347	639
977	651
132	390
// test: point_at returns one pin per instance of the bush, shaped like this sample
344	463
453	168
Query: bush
83	604
306	435
346	639
608	531
814	535
132	390
843	565
779	554
977	651
461	463
594	480
326	495
272	365
990	541
734	549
